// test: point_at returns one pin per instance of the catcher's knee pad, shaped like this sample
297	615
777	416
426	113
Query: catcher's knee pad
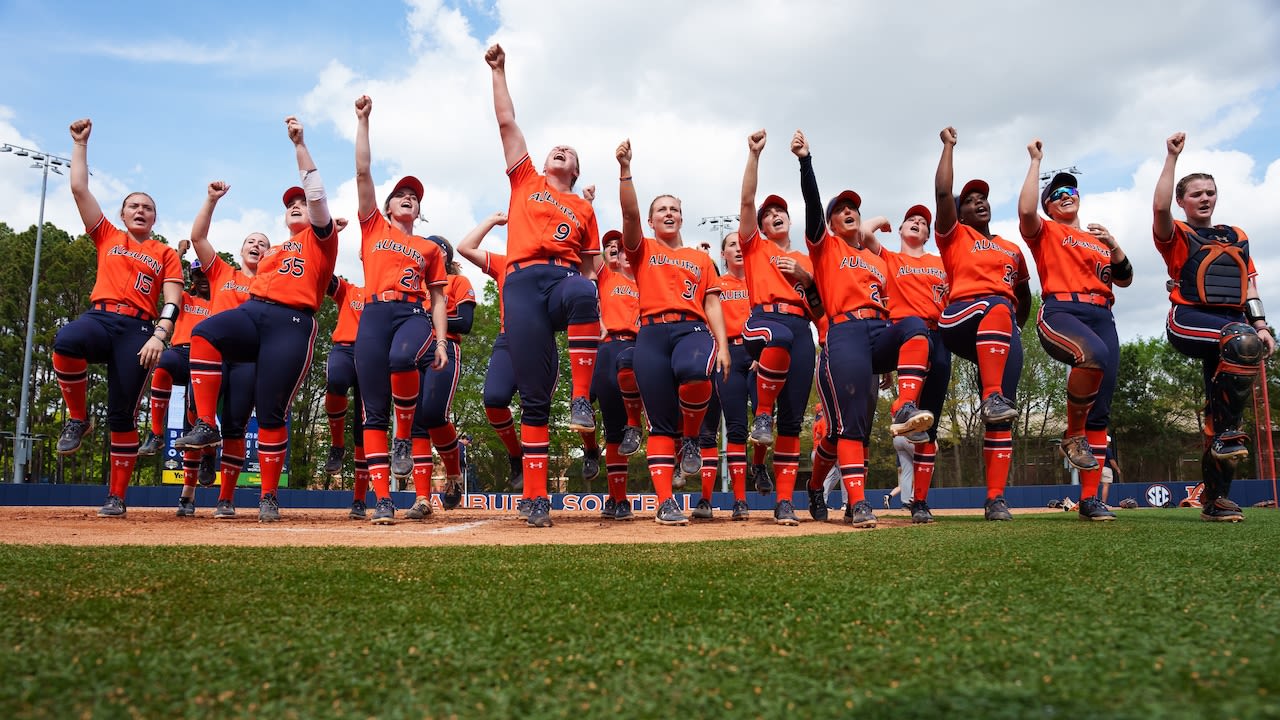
1240	345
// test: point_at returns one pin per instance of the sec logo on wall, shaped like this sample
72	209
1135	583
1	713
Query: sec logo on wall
1158	495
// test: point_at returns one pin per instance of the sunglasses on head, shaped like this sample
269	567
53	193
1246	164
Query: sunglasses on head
1063	192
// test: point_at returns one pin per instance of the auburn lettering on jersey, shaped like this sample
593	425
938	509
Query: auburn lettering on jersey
671	279
228	287
545	223
849	278
296	272
350	301
130	272
991	266
619	302
765	282
1070	260
396	262
194	309
917	286
735	304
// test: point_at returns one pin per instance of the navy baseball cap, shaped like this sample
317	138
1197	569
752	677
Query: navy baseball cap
845	195
1061	180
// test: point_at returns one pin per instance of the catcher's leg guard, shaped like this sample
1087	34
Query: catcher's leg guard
1217	476
1241	353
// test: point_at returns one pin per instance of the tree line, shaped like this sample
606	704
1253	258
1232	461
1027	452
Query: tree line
1157	413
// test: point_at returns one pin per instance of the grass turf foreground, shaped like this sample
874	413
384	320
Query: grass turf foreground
1156	615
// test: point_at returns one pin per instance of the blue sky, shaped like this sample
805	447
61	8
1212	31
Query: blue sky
182	94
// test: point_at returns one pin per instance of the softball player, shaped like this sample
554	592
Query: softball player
1217	317
121	327
551	242
675	354
989	289
400	271
921	292
276	328
340	377
1077	267
777	333
620	317
431	424
855	285
732	389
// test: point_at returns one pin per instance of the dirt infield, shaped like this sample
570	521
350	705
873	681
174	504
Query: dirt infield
159	526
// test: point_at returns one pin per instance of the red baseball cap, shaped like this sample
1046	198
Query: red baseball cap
771	201
411	182
920	210
609	236
292	193
979	186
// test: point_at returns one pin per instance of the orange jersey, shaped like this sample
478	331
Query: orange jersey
545	223
1176	252
194	309
823	324
765	282
619	301
495	266
350	301
457	291
1070	260
981	267
849	278
671	279
296	272
130	272
228	287
917	286
396	262
735	304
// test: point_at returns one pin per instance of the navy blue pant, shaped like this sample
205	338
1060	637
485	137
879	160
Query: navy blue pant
1083	335
729	399
436	394
499	377
276	341
1195	332
393	337
98	337
765	329
538	301
605	390
934	392
961	338
340	376
857	351
668	355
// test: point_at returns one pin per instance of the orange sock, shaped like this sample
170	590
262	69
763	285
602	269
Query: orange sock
190	468
786	460
923	462
661	450
272	445
161	391
73	378
631	397
423	467
771	375
206	378
504	424
232	464
335	406
405	386
1082	390
445	438
1090	479
995	332
584	339
913	368
124	455
535	439
694	398
710	468
736	455
379	461
824	457
997	456
853	469
615	464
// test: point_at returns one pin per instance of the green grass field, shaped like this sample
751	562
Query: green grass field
1157	615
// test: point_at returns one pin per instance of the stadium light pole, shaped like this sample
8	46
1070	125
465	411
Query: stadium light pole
21	437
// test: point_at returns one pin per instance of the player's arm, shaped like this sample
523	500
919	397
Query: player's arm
204	218
149	355
868	232
86	203
1162	203
439	324
1121	268
312	185
715	321
750	181
465	316
513	144
632	232
1257	316
815	225
1029	223
469	246
943	184
1022	301
368	200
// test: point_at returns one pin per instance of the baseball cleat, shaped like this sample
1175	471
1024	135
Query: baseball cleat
333	465
268	509
421	510
581	417
702	511
630	440
1079	452
669	514
113	507
150	446
186	507
540	513
861	516
402	458
224	510
818	509
73	432
203	435
384	513
920	514
910	419
996	509
762	429
784	513
1095	509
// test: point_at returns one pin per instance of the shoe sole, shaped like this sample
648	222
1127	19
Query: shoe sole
681	521
224	516
1231	457
820	517
625	518
1222	518
740	518
707	516
217	443
539	523
579	427
384	521
863	523
921	521
914	423
357	516
788	522
74	450
1100	518
111	515
268	520
1079	466
767	442
1001	418
999	518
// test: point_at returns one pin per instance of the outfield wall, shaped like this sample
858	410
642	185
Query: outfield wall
1245	492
